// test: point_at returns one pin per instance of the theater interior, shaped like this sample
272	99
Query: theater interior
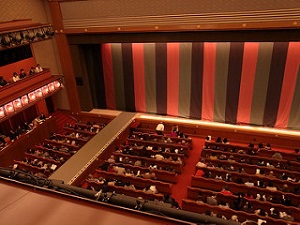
149	112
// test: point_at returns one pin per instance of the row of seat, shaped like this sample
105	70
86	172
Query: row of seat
248	172
43	159
267	153
278	164
225	165
138	156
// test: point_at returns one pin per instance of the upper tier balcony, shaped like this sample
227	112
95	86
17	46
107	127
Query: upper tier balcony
17	96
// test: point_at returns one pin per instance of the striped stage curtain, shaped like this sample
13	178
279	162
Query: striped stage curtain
230	82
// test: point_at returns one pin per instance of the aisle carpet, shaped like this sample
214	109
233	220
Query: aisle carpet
179	190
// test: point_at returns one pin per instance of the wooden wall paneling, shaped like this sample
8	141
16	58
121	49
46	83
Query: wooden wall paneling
41	107
16	149
65	57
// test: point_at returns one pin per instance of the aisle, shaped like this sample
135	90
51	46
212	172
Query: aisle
179	190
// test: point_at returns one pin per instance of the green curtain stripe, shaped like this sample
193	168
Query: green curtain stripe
265	51
185	70
221	74
294	119
150	77
117	62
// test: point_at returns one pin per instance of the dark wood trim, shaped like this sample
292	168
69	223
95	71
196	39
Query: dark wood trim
65	57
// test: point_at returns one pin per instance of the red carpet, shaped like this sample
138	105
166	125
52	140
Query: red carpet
179	190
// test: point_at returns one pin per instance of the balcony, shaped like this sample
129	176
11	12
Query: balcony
15	97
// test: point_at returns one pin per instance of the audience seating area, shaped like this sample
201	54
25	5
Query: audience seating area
231	181
145	165
46	157
242	182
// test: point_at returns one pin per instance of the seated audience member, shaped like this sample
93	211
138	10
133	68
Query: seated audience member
3	82
201	164
219	140
32	71
261	212
248	207
175	131
208	138
22	74
151	189
159	157
249	183
38	68
119	170
225	141
261	146
251	145
160	128
268	146
218	177
248	196
277	155
225	191
43	117
211	200
234	218
213	156
199	173
129	185
148	174
238	202
15	77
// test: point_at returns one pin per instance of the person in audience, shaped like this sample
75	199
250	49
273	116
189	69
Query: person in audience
38	68
271	187
199	173
286	216
219	177
261	212
277	155
148	175
248	207
225	191
201	163
111	159
159	157
42	117
271	174
174	131
31	71
219	140
22	74
160	128
248	196
119	169
225	141
129	185
238	202
249	183
211	200
15	77
234	218
208	138
268	146
150	189
213	156
3	82
251	145
168	199
270	165
260	146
